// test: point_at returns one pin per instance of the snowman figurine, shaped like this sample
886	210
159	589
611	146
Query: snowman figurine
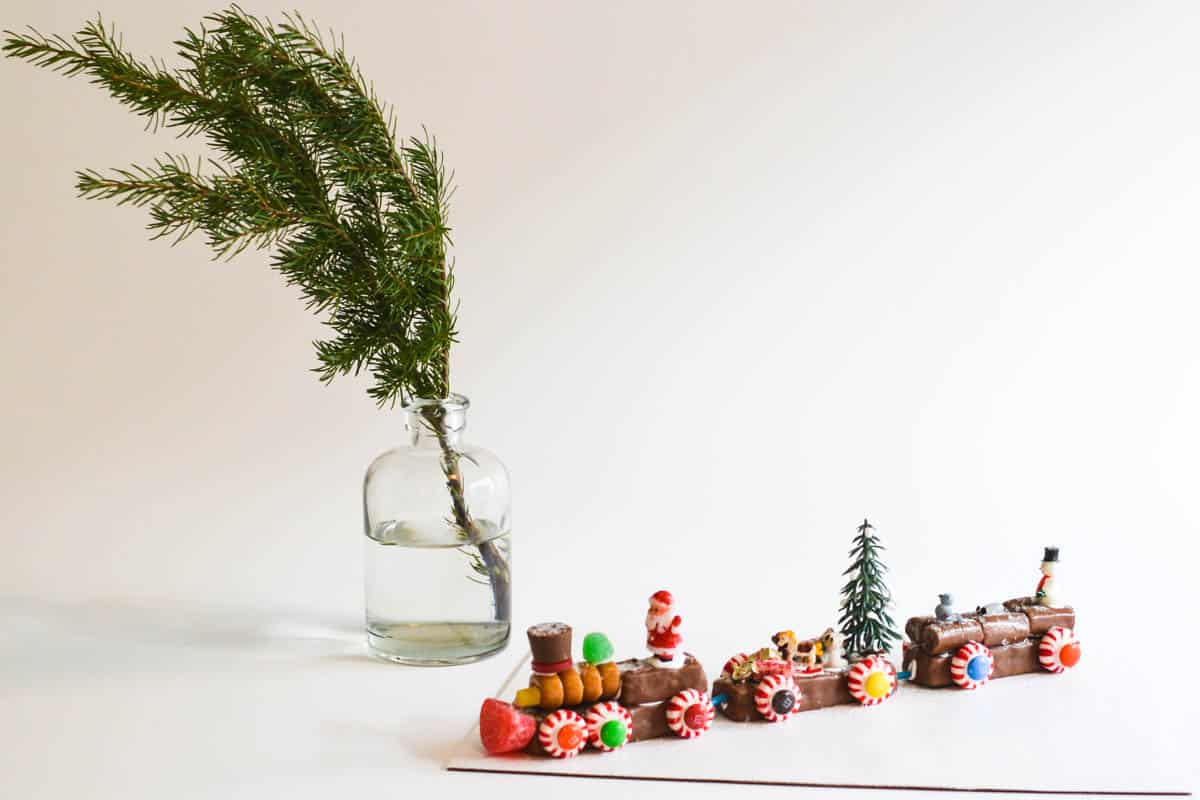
1045	588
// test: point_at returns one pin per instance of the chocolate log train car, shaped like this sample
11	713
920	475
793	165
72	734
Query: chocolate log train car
597	701
971	650
773	687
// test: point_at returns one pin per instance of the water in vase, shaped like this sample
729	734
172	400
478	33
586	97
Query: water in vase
429	599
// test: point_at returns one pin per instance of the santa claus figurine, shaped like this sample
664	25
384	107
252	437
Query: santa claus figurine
662	631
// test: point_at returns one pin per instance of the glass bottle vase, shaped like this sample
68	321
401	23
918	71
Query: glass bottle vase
438	551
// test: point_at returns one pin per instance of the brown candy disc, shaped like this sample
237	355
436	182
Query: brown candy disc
592	685
610	679
551	688
572	687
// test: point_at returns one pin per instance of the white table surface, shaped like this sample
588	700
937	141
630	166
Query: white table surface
218	703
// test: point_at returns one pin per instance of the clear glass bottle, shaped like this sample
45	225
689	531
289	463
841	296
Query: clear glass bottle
438	552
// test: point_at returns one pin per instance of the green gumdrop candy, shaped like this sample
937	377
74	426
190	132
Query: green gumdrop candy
597	649
613	733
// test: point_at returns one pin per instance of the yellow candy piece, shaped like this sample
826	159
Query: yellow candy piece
528	697
878	685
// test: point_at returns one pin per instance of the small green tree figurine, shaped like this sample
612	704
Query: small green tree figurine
865	621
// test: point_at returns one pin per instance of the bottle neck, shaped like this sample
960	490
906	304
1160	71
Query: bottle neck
436	421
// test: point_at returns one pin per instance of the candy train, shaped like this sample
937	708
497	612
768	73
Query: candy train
570	705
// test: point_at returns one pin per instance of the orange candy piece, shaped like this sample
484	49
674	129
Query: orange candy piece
592	685
572	685
1069	654
610	678
569	737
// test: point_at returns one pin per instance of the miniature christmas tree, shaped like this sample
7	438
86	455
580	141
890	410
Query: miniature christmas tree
865	621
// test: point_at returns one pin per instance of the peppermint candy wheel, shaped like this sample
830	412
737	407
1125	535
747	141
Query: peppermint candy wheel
689	714
891	668
972	665
563	734
1059	649
776	697
871	681
736	661
609	726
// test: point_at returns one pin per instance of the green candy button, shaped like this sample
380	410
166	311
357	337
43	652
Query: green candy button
613	733
597	649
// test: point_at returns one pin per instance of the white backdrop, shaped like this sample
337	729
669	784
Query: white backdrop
731	279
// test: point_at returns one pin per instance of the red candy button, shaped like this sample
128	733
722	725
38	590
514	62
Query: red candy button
694	717
1069	654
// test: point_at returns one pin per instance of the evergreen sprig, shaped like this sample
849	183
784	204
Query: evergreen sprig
309	165
865	621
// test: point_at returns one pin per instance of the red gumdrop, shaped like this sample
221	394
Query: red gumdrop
694	717
502	728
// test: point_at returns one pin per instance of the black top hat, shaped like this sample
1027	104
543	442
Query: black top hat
1051	554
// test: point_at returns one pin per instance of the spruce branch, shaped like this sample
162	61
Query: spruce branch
309	165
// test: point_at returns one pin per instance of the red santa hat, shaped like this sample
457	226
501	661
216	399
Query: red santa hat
662	597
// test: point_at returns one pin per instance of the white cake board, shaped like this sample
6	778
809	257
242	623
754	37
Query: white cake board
1078	733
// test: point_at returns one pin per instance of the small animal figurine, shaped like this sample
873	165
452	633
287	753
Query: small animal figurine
832	643
811	650
785	642
945	609
1045	587
990	608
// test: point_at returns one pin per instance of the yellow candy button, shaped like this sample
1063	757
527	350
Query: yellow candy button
528	698
878	685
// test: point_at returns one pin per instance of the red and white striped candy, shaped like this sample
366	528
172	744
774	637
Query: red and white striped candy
606	712
553	725
1051	648
736	661
856	679
766	691
958	665
687	709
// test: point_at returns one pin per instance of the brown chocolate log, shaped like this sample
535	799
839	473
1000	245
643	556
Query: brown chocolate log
649	722
1000	629
942	637
816	691
1043	619
1012	659
550	642
642	682
1020	603
915	627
